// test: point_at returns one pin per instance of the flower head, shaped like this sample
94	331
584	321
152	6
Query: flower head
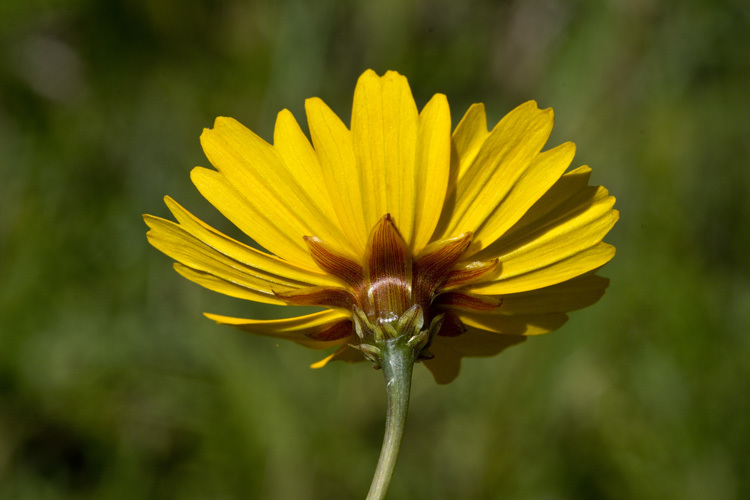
471	240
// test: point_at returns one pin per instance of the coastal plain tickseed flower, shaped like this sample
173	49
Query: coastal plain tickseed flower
476	238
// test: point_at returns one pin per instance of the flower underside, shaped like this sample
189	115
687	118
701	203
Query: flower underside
398	222
391	282
419	241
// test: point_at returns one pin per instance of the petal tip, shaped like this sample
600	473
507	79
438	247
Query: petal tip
320	364
212	317
312	103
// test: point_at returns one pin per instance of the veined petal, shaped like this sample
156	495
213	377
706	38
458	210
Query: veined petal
300	158
333	145
502	158
226	287
267	184
555	272
349	271
540	175
384	134
547	239
467	301
567	296
568	198
433	263
324	296
432	170
448	351
307	330
388	270
252	217
473	272
174	241
564	238
470	134
233	249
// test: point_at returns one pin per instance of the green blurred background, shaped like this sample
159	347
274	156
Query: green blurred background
113	385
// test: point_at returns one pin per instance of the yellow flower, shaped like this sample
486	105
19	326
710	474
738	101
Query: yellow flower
478	234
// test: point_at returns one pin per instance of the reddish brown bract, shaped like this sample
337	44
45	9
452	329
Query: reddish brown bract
390	281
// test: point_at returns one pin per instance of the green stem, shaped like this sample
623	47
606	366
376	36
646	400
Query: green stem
397	360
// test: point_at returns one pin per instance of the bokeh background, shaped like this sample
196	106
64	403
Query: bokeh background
113	385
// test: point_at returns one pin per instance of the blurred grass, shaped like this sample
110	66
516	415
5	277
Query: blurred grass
112	384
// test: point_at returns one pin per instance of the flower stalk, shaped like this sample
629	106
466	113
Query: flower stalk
396	358
477	238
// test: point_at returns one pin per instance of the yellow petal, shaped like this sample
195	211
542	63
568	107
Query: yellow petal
468	138
534	182
333	145
324	361
250	218
344	353
174	241
549	246
281	208
301	329
299	157
537	312
502	158
570	197
570	295
448	351
384	131
204	234
226	287
555	272
432	169
520	324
